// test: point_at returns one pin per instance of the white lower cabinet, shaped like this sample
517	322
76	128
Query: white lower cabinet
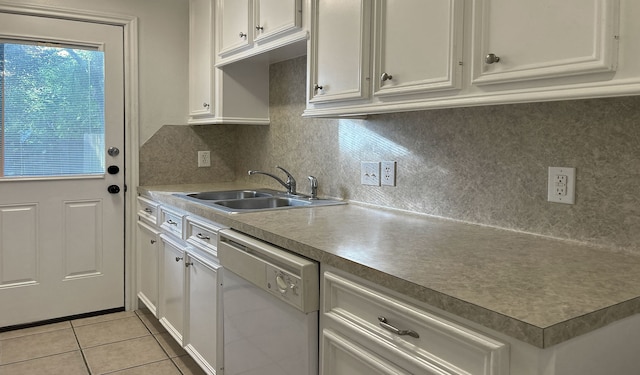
180	279
172	281
147	261
147	254
366	331
202	340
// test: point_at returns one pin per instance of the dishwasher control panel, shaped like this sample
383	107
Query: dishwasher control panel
285	275
284	285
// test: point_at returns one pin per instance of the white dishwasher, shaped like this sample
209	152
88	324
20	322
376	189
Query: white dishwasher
270	308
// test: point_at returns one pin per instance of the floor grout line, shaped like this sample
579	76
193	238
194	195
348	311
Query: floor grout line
38	358
84	359
156	337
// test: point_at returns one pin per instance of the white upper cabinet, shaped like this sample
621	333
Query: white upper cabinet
246	28
520	40
454	53
238	94
339	59
235	32
201	83
274	18
417	49
418	46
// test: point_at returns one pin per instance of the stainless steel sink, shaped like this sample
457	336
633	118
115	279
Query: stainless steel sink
230	194
263	203
236	201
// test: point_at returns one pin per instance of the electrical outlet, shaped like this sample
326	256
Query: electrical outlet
370	173
204	159
388	173
561	185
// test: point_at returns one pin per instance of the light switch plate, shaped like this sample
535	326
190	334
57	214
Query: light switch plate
370	173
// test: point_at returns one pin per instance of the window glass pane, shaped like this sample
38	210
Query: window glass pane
53	110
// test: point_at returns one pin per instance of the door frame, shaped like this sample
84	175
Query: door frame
131	118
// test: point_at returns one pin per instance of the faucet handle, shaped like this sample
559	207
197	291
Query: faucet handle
314	187
290	180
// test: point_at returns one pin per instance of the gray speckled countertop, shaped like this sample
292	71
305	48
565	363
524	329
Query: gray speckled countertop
539	290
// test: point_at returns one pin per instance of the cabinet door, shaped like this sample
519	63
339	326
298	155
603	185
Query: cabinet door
276	17
418	46
205	333
147	259
172	288
343	356
235	31
340	47
201	58
543	39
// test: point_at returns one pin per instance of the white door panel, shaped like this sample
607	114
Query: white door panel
82	243
18	245
62	238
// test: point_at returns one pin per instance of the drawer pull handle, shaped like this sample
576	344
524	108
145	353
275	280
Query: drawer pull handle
400	332
171	222
148	210
179	259
153	241
203	237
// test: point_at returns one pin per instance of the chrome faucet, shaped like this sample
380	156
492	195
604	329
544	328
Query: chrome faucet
290	185
314	187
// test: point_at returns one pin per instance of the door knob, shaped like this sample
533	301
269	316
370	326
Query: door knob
113	189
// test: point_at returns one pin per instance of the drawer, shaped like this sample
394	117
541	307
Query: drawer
364	311
202	234
171	221
148	211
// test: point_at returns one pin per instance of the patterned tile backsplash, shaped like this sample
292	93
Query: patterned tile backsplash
486	165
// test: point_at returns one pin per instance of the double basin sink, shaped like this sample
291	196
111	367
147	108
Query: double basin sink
235	201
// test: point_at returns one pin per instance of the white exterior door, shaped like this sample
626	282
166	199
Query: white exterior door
61	231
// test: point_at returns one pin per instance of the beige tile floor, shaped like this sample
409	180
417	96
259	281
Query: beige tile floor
123	343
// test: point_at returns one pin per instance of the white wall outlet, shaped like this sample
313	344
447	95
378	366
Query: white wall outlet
370	173
561	185
204	159
388	173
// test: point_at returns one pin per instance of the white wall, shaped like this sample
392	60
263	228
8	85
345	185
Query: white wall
163	54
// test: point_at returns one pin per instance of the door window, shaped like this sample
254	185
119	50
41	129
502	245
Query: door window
51	110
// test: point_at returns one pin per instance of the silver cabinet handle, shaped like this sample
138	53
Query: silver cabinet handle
171	222
206	105
179	259
153	241
203	237
148	210
259	28
491	58
187	264
400	332
316	87
243	35
386	77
